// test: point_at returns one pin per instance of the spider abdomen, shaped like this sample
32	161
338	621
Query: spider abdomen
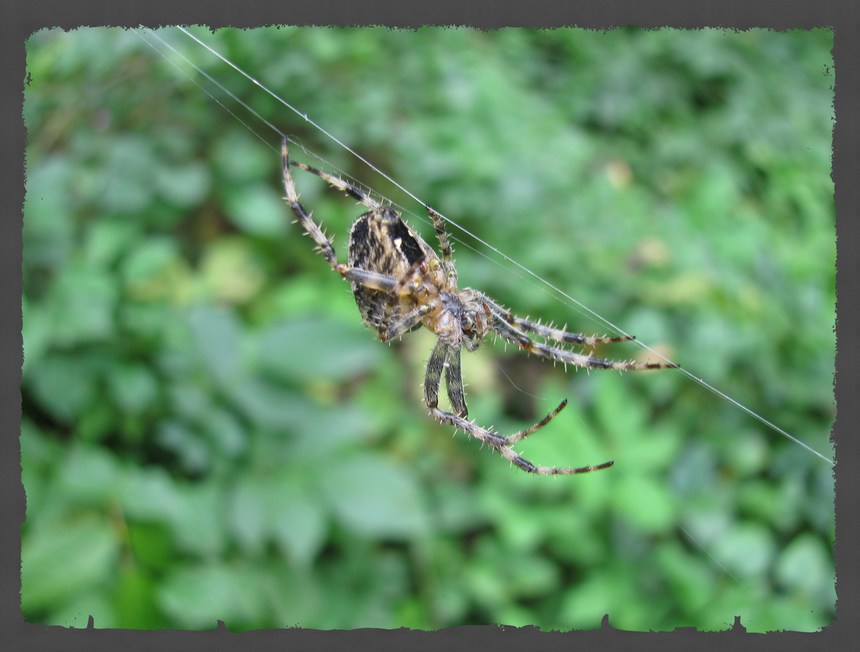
380	241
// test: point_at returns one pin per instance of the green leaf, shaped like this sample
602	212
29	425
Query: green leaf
322	430
217	338
247	517
186	443
533	576
64	560
108	240
486	586
654	450
310	349
37	333
135	601
225	431
690	577
806	565
618	412
77	611
150	261
49	226
126	173
133	387
64	385
231	270
644	503
154	550
198	596
190	401
89	475
198	525
257	210
241	158
747	549
297	521
374	497
83	301
183	186
585	603
269	406
150	494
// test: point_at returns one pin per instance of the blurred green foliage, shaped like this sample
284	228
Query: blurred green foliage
210	433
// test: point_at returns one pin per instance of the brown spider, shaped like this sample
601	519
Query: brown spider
400	284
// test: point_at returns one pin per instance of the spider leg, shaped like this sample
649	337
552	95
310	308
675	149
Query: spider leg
366	278
335	182
557	334
405	323
442	352
522	434
513	334
444	245
405	286
433	375
500	446
454	383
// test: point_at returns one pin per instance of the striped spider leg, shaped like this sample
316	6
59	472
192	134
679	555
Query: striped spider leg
512	329
448	357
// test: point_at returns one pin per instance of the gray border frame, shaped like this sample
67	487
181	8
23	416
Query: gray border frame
22	19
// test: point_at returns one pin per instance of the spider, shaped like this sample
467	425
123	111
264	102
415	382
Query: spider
400	284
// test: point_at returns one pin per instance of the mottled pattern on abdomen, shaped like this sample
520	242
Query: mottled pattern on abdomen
380	241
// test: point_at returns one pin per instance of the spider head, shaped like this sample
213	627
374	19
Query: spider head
466	320
473	326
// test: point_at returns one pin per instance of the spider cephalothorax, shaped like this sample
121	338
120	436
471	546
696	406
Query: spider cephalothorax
400	284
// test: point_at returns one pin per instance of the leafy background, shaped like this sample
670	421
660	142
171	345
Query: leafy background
209	432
